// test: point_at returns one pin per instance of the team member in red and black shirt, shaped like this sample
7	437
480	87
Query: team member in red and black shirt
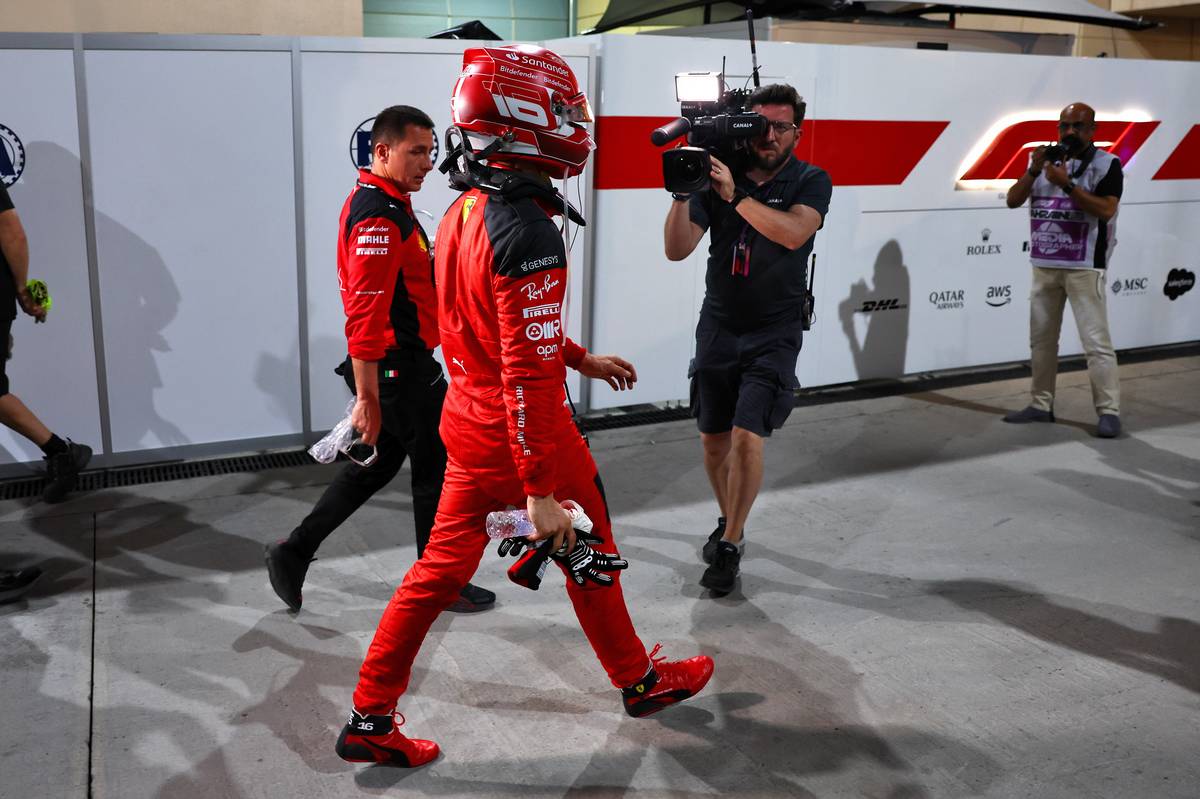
385	274
501	281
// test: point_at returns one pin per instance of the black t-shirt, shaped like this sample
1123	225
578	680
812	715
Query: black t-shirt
8	288
773	288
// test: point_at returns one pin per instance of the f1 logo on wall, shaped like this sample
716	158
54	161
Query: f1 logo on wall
361	154
1179	282
1002	154
12	156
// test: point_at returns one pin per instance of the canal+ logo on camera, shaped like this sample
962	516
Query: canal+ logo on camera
12	156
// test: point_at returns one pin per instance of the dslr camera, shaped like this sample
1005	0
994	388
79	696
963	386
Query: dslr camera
1056	153
716	122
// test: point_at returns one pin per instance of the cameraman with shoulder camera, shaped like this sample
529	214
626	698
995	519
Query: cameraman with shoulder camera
763	219
1076	189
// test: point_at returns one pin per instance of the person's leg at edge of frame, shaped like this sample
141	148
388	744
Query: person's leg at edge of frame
1046	302
1090	308
434	581
648	683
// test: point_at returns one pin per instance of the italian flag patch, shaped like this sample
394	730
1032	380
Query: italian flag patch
391	373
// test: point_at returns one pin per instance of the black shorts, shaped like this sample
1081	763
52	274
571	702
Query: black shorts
6	343
747	380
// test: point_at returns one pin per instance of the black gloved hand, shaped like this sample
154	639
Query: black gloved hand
584	563
515	546
531	566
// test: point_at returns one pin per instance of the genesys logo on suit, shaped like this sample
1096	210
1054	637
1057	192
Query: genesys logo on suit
12	156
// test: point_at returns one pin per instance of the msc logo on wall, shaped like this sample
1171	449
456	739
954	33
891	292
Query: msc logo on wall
360	145
1130	286
998	296
1179	282
12	156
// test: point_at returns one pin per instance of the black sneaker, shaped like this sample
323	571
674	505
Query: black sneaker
723	572
472	599
287	568
62	471
710	546
13	585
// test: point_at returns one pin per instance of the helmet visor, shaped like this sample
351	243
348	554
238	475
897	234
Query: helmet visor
575	109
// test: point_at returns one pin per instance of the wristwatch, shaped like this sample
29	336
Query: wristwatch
738	196
680	198
1069	188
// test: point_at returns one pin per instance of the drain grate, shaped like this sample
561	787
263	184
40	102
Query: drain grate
124	476
615	421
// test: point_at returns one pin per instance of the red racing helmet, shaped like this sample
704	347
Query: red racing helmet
528	95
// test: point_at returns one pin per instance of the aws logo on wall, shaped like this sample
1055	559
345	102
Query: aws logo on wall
1002	154
12	156
361	154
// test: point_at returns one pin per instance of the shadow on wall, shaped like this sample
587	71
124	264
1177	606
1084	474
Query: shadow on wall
139	301
885	308
274	376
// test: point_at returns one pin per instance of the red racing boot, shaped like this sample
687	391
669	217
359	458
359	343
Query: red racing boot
666	683
375	739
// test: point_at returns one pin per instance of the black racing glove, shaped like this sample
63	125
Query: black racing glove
530	565
584	563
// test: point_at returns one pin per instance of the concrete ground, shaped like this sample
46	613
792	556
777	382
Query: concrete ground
932	604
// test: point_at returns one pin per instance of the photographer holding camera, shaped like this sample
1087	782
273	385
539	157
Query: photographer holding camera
1076	190
763	217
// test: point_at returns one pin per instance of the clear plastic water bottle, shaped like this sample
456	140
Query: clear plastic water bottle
509	523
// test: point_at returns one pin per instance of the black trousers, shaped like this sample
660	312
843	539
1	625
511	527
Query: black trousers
412	389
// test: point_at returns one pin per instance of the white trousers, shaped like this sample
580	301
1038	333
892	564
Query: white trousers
1085	289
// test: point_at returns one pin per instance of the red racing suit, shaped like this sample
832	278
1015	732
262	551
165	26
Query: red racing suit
384	272
501	279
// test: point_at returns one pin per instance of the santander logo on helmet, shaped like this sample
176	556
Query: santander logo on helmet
528	97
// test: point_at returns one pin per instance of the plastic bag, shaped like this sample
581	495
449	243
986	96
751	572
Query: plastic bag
338	439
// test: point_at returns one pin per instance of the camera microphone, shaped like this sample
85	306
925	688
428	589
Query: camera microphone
670	131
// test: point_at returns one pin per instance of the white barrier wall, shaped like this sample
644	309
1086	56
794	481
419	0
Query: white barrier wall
893	236
196	309
192	171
